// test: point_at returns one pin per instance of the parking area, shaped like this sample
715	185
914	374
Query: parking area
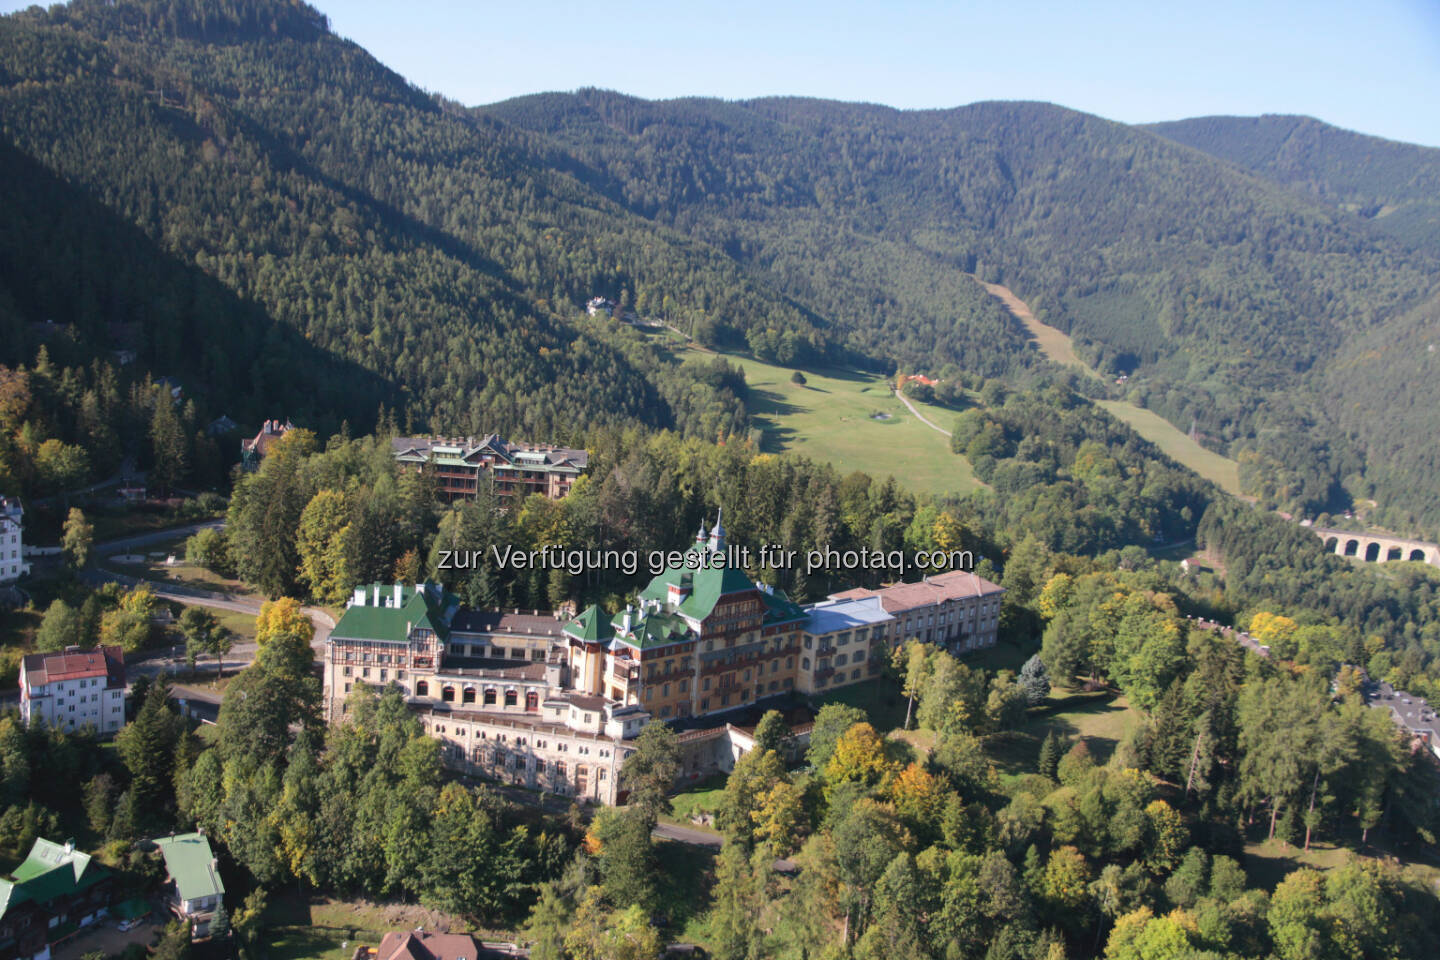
105	937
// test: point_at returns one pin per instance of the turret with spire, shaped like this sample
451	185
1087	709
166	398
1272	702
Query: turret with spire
717	534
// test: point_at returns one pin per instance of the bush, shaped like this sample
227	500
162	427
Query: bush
797	377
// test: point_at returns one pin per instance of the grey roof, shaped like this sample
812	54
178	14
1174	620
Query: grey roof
831	615
1413	713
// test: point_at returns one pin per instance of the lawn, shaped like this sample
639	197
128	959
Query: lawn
1052	341
700	797
113	524
154	567
1101	718
1267	862
880	699
688	871
1177	445
852	420
322	928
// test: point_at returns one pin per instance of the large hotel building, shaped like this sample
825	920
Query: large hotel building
465	465
552	701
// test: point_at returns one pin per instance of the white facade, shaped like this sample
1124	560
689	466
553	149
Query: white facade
74	690
12	541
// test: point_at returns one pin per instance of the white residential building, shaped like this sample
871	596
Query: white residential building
74	689
12	541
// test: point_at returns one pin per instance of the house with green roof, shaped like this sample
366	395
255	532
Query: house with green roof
194	876
56	891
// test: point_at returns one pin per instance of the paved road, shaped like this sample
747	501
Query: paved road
699	838
918	415
107	548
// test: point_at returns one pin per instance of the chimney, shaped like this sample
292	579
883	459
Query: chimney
376	595
398	591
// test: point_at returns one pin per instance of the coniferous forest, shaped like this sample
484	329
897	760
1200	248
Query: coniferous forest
229	196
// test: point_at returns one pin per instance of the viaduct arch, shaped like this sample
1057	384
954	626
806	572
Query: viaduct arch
1376	548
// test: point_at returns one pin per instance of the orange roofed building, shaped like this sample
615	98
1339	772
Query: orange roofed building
419	945
958	610
74	689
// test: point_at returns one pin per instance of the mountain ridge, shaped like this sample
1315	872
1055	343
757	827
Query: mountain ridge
449	248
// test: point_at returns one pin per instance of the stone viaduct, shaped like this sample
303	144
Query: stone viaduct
1376	548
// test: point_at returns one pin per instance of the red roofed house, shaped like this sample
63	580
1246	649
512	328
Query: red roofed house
957	609
419	945
74	689
254	450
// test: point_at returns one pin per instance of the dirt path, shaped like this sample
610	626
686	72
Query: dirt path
918	415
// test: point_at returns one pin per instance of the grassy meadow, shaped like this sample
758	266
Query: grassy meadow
852	420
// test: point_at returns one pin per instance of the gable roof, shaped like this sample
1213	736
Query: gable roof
50	870
191	864
419	945
422	608
937	588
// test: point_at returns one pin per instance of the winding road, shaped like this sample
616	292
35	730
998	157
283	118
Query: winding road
918	415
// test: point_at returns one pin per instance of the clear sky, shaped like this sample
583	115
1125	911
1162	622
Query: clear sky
1368	65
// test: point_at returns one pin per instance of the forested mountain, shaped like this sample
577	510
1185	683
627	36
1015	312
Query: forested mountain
1224	295
1395	186
335	201
261	184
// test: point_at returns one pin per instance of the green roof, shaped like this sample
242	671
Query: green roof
707	585
391	624
656	629
703	588
191	865
591	626
51	870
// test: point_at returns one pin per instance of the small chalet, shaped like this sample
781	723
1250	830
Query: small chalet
197	889
54	893
419	945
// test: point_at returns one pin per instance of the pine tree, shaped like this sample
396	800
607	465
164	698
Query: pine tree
168	445
1049	755
220	922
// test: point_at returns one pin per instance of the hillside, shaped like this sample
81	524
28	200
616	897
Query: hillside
1222	295
335	201
1394	186
434	258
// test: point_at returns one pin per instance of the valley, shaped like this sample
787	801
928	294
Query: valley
501	419
1174	442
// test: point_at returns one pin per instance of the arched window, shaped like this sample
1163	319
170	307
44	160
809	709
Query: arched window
532	700
510	698
422	689
490	696
448	694
468	695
